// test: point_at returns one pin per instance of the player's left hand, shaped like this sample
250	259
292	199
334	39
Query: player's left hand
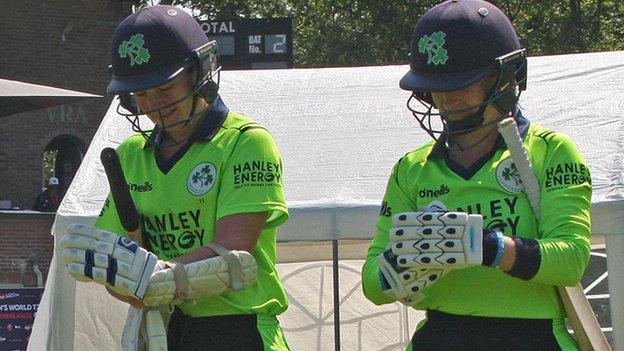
433	239
404	284
92	254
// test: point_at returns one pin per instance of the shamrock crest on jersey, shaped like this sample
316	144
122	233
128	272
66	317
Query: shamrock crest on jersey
508	176
135	50
201	178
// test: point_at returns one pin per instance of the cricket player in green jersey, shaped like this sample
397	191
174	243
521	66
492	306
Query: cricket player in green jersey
456	235
208	185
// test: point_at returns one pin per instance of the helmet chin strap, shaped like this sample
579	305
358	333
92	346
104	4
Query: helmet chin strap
472	122
465	125
160	130
170	140
449	137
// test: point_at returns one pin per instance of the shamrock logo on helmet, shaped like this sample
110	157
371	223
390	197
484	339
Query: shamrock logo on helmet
434	47
134	49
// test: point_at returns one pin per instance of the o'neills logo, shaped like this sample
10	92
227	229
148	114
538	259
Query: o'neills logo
257	173
147	186
434	193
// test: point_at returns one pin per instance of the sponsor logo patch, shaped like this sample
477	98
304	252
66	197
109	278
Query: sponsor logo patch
257	173
443	190
385	209
105	207
147	186
564	175
128	244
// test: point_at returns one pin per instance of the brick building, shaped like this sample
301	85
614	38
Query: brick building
18	257
62	43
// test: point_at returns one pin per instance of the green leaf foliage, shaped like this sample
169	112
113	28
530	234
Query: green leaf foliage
377	32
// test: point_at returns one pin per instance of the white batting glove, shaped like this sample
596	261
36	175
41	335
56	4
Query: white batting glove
92	254
437	239
404	284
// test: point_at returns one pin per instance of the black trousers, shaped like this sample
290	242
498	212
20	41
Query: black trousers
444	331
234	332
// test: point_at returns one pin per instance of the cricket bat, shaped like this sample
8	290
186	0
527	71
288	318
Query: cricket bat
138	318
586	328
126	209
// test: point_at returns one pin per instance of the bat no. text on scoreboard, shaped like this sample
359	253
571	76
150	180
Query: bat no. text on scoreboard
262	43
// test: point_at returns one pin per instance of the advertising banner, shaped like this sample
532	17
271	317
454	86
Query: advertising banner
18	307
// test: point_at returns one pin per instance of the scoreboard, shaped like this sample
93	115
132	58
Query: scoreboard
252	43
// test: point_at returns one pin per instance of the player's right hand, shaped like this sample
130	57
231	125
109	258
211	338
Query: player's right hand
92	254
437	239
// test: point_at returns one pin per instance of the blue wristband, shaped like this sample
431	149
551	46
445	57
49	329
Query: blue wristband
500	249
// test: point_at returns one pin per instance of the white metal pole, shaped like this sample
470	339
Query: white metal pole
615	267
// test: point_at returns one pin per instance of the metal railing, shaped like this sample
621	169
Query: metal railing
339	221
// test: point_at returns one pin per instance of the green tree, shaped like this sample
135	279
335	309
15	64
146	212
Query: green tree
567	26
377	32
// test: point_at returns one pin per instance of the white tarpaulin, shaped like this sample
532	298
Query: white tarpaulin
340	130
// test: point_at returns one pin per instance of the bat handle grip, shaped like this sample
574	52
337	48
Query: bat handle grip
136	236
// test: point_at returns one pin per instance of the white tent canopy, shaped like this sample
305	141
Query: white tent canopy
340	131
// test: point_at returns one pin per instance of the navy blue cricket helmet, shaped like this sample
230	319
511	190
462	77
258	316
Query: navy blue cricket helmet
153	46
456	43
